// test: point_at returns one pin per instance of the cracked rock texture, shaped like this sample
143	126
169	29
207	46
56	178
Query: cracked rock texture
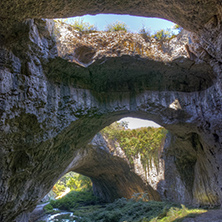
111	174
50	107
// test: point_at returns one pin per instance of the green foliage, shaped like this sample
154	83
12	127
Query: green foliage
58	188
178	28
145	33
163	35
117	26
82	26
79	182
146	142
137	211
74	181
74	200
48	208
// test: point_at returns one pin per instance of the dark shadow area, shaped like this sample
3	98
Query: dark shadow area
128	73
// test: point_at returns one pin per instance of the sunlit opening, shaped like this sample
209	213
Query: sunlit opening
134	123
133	23
71	182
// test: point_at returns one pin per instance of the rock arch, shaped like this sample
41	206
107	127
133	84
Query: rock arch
44	121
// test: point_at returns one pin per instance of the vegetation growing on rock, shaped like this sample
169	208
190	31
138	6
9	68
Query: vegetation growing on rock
163	35
134	209
144	142
138	211
117	26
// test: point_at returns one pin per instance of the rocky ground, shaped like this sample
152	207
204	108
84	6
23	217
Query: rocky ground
210	216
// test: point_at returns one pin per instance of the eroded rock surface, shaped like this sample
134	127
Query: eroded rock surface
111	175
192	15
50	108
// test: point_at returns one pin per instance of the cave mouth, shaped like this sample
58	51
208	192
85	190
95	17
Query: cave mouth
71	181
122	155
133	23
121	61
141	142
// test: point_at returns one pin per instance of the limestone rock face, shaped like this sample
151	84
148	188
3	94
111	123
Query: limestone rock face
192	14
111	174
50	107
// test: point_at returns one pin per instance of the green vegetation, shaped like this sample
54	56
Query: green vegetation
136	211
85	206
146	142
82	26
178	28
145	33
163	35
73	181
49	209
75	199
117	26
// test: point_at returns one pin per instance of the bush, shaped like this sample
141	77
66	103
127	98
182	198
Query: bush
145	33
74	200
178	28
139	211
117	26
48	208
82	26
163	35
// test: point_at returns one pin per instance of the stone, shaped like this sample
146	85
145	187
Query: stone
50	107
212	215
111	175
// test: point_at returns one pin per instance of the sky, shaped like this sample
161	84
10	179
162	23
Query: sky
134	123
134	23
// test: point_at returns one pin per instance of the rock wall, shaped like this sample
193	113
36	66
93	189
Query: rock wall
51	108
151	173
112	176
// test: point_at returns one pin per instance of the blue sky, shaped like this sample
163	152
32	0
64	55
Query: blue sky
134	23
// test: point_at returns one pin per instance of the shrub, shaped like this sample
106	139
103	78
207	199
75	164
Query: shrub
48	208
178	28
117	26
145	33
163	35
82	26
75	199
138	211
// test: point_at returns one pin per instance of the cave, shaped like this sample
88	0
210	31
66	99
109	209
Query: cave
51	108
